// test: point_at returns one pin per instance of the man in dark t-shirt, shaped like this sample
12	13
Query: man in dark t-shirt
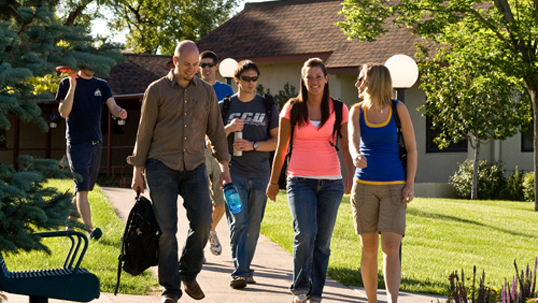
81	97
251	170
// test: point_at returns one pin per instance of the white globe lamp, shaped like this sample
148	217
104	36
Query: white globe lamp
226	69
404	73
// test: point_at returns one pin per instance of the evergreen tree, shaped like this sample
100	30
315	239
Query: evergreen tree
27	205
32	44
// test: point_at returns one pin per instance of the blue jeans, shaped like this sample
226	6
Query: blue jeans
245	225
314	207
165	185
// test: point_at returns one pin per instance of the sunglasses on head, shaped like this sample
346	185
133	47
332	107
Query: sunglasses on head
248	79
203	65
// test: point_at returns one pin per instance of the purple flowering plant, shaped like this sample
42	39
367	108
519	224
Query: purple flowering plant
522	289
460	292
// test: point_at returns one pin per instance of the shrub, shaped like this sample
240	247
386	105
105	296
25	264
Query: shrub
528	186
514	187
283	95
490	178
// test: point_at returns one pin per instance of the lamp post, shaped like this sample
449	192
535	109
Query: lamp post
226	69
404	72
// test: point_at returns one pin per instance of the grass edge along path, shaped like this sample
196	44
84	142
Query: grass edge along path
442	236
101	257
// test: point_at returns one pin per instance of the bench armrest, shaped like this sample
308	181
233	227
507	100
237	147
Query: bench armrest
77	239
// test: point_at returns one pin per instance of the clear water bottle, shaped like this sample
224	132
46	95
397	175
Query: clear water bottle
232	198
238	135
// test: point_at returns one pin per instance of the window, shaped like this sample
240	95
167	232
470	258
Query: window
527	138
431	147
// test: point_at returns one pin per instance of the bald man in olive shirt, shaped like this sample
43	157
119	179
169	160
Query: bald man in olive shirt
178	110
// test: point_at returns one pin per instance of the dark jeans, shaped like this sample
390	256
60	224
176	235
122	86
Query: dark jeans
165	185
314	207
245	225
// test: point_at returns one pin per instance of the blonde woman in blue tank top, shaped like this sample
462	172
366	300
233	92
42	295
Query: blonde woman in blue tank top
382	188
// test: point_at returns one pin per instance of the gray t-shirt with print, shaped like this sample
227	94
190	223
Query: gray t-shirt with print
252	164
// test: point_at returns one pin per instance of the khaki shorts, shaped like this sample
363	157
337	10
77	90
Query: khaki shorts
378	208
213	171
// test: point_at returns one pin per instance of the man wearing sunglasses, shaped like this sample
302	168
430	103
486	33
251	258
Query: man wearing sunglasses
208	70
247	113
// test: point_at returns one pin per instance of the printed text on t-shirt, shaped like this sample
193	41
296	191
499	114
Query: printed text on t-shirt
257	119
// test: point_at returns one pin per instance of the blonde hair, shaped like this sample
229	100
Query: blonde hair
379	84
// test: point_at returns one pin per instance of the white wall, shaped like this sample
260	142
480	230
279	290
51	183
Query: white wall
512	156
274	76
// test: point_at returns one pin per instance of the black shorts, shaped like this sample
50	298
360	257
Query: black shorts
85	160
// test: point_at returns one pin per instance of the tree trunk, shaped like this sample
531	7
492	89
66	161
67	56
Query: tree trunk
73	15
532	89
532	92
474	183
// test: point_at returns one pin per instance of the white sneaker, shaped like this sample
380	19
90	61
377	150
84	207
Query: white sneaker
302	298
216	248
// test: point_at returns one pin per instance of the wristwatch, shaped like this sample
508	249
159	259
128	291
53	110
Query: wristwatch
255	145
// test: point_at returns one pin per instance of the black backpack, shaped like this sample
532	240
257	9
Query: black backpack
140	241
268	102
402	151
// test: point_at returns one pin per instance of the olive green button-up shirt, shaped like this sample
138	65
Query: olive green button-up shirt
174	122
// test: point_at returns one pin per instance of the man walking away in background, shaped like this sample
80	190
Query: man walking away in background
81	97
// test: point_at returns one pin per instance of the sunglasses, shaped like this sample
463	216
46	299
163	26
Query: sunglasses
248	79
203	65
360	80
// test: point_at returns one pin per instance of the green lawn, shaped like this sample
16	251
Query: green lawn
101	257
442	236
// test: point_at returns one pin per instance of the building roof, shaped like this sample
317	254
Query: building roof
133	76
291	30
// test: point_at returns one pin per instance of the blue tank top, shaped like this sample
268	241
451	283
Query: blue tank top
379	144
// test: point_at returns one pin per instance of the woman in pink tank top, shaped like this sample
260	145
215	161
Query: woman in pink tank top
314	181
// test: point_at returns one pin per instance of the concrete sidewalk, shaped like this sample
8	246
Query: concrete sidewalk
272	264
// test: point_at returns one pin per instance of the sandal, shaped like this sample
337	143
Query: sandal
238	283
250	280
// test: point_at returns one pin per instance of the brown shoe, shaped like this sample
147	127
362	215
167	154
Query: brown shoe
238	283
193	289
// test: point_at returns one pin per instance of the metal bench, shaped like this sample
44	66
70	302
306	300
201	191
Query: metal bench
70	282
